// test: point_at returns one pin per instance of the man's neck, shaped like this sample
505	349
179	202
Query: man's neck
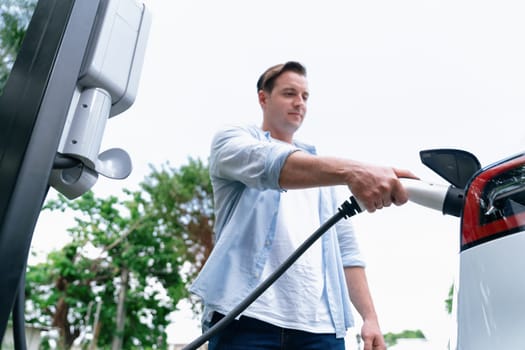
284	137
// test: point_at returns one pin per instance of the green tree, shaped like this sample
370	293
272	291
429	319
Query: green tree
392	338
449	299
125	255
14	19
182	200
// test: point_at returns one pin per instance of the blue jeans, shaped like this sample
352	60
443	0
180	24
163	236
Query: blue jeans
251	334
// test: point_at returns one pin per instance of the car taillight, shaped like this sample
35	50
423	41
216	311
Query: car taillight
495	203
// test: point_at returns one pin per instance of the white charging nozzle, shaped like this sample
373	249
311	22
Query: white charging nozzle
445	198
425	193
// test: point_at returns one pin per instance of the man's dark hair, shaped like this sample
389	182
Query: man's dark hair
266	81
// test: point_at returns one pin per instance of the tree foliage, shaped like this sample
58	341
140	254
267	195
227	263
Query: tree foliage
193	218
449	300
14	19
126	255
391	339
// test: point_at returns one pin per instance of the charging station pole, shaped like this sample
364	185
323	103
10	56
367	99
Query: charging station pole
33	110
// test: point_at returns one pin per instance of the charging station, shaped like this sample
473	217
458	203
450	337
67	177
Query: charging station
78	66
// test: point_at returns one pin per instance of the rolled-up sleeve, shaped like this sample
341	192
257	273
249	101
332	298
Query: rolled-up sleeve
350	253
241	154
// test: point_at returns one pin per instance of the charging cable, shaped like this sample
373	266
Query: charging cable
348	208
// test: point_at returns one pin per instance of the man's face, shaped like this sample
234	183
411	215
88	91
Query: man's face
285	108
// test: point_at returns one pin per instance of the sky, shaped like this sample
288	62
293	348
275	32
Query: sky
387	79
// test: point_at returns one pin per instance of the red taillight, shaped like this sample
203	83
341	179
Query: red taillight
477	226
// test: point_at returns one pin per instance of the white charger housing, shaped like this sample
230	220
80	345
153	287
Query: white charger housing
107	85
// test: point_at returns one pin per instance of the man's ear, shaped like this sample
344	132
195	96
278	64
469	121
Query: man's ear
262	97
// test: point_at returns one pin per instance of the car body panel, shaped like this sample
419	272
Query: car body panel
491	288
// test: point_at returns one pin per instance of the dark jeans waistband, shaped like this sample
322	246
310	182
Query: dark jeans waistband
248	333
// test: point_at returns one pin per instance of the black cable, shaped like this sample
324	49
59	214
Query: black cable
346	210
19	335
64	162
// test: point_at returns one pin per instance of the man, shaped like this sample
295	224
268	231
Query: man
271	192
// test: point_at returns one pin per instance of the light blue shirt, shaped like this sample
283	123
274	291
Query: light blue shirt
245	165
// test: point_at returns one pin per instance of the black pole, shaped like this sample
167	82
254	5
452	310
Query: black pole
33	111
346	210
19	323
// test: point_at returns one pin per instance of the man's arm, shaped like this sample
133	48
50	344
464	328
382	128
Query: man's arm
362	300
374	186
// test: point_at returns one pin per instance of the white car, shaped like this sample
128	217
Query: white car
489	300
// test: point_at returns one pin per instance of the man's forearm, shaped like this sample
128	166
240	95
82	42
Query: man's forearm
303	170
359	292
375	186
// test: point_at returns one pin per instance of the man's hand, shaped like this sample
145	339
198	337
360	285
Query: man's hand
378	187
372	336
